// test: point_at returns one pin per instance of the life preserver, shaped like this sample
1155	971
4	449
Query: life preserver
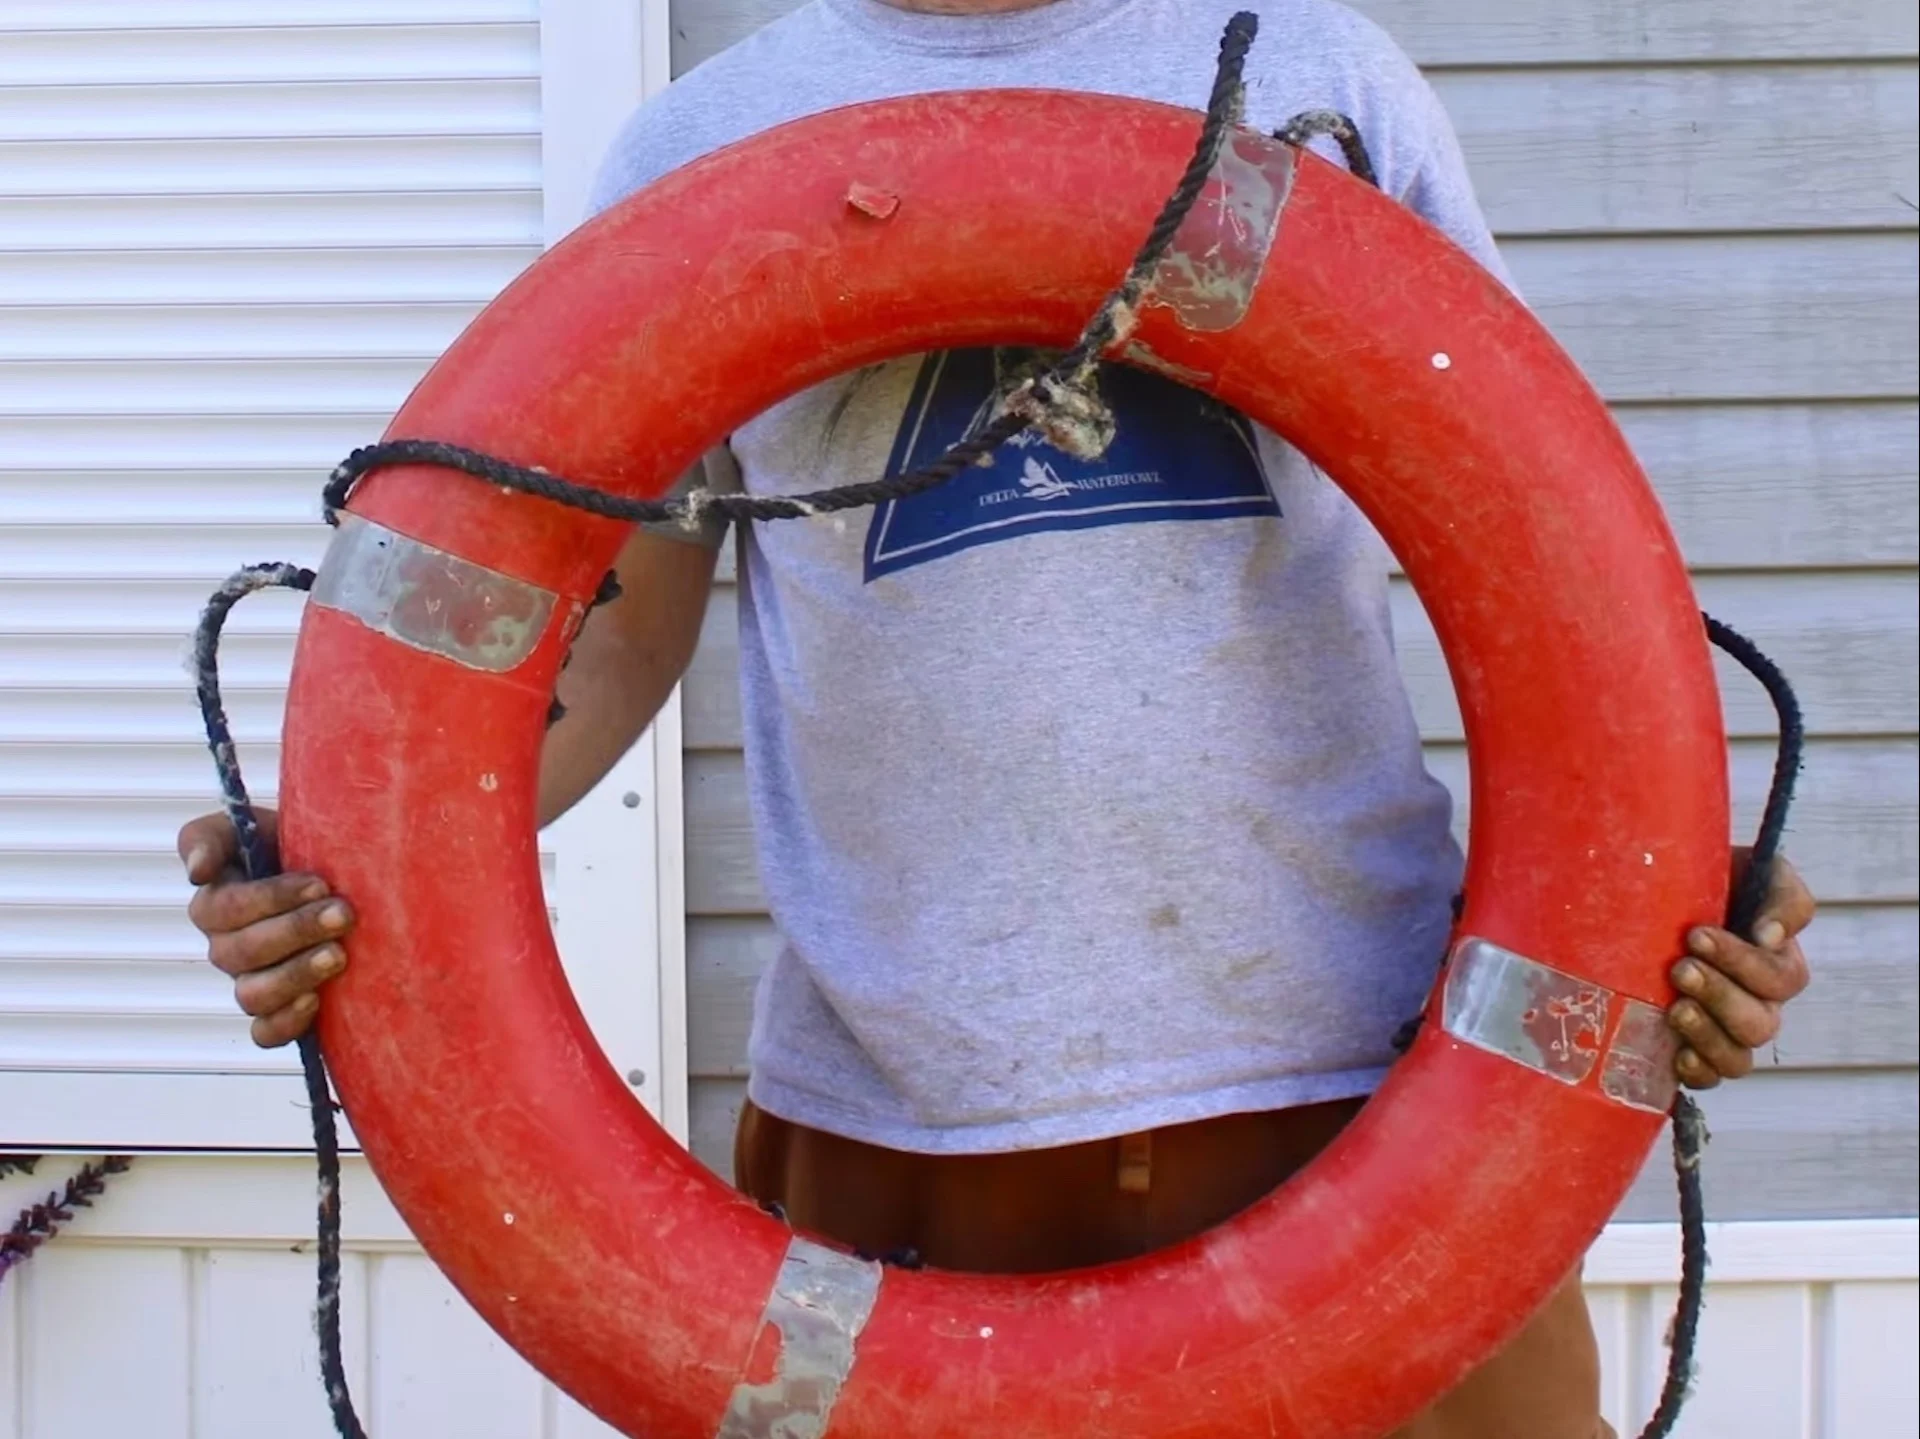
1499	1145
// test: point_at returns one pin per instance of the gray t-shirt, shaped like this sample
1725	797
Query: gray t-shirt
1087	793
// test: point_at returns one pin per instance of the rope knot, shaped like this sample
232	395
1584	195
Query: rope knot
693	508
1067	413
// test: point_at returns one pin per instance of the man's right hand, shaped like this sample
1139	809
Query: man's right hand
278	938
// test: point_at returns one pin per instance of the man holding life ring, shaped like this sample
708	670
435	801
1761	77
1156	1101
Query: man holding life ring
1089	801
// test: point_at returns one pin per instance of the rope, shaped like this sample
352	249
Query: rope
1743	909
258	861
1689	1125
1059	398
1311	124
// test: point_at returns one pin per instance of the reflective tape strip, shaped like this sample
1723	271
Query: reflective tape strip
431	600
1639	1069
1210	272
1557	1024
820	1302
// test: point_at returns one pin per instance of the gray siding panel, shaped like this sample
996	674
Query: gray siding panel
1863	1010
1741	317
1555	32
713	1107
1808	486
1591	151
1833	1144
1712	204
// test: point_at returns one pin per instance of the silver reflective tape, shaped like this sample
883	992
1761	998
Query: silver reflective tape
1209	274
1556	1023
1639	1069
820	1302
431	600
1505	1003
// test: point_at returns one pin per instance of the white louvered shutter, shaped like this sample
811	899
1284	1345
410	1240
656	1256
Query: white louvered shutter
233	233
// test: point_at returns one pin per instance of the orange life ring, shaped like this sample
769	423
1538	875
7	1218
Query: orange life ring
1499	1145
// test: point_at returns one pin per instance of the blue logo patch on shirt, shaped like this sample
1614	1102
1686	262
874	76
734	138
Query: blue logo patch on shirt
1177	455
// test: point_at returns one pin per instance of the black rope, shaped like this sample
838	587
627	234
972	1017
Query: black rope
258	861
1683	1333
1689	1125
1743	909
1311	124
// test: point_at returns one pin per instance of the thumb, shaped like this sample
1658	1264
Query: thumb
208	845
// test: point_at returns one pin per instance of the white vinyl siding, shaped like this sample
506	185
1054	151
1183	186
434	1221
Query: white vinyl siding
232	237
191	1284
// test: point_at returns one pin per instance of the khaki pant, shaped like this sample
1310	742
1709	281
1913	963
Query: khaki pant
1038	1210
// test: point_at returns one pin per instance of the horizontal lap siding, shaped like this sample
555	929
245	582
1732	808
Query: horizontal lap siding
1712	205
191	1286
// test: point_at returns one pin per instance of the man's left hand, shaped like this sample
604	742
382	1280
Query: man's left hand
1733	989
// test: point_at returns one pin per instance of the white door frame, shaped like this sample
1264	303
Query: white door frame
620	883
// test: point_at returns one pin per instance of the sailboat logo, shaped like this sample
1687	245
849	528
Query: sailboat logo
1177	455
1040	481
